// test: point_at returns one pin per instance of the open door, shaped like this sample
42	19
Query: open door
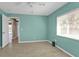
5	35
13	30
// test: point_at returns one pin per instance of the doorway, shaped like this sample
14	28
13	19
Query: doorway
13	30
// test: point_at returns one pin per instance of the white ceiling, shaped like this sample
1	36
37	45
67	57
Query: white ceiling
31	8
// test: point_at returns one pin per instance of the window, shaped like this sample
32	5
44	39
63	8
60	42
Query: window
68	25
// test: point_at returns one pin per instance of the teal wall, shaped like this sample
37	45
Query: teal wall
43	27
70	45
0	30
1	12
32	27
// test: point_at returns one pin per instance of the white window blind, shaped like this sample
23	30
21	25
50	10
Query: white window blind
68	25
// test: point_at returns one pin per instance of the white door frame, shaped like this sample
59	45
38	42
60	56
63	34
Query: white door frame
18	26
4	42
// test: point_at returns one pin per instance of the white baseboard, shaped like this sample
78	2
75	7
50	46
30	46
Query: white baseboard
63	50
32	41
3	45
50	42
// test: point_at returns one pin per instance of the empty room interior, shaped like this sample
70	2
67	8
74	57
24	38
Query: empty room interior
39	29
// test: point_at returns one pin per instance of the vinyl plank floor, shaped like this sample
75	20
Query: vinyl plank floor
39	49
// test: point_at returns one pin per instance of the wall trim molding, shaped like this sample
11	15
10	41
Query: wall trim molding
32	41
63	50
4	45
50	42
